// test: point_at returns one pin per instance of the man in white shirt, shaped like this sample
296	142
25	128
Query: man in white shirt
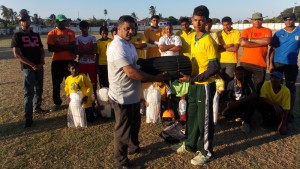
124	91
169	44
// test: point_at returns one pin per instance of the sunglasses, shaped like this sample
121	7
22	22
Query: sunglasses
288	19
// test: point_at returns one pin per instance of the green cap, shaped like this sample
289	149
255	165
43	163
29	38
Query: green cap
61	17
257	15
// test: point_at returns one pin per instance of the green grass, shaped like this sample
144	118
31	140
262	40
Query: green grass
51	144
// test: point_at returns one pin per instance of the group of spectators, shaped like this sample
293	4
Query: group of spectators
213	55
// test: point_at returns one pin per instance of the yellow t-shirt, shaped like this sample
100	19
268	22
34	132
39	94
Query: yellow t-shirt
80	83
102	46
186	39
232	38
163	90
138	39
153	35
282	98
203	50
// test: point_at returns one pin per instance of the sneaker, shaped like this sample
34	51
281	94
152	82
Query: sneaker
139	151
200	159
55	108
245	127
181	149
39	111
28	123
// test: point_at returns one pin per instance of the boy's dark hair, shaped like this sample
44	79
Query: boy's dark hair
114	29
201	11
240	69
126	18
184	19
103	28
155	16
72	63
84	24
227	19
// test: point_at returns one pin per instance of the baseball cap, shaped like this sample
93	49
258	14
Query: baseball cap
257	15
289	15
61	17
23	15
277	74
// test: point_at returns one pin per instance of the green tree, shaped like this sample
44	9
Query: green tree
246	21
172	20
134	15
35	19
13	16
215	20
5	12
105	13
152	10
52	18
295	9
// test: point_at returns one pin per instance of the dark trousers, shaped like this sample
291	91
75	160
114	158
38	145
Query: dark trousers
127	127
33	90
103	76
244	110
59	71
256	73
200	125
269	115
227	70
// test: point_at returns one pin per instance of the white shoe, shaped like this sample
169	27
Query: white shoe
200	159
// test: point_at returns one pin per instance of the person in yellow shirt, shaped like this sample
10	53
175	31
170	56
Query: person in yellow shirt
274	103
152	35
200	124
186	34
79	83
102	44
229	39
138	40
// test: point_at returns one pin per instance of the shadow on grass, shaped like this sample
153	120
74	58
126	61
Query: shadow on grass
12	130
42	124
239	141
159	149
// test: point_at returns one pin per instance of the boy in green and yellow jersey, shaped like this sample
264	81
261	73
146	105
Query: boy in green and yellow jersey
200	124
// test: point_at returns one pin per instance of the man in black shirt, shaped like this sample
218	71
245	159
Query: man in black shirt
28	49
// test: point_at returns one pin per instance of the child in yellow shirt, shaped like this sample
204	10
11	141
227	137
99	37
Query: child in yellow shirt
80	84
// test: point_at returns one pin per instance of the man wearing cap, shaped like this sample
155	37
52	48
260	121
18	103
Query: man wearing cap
284	52
61	42
169	44
28	49
274	103
229	39
255	41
